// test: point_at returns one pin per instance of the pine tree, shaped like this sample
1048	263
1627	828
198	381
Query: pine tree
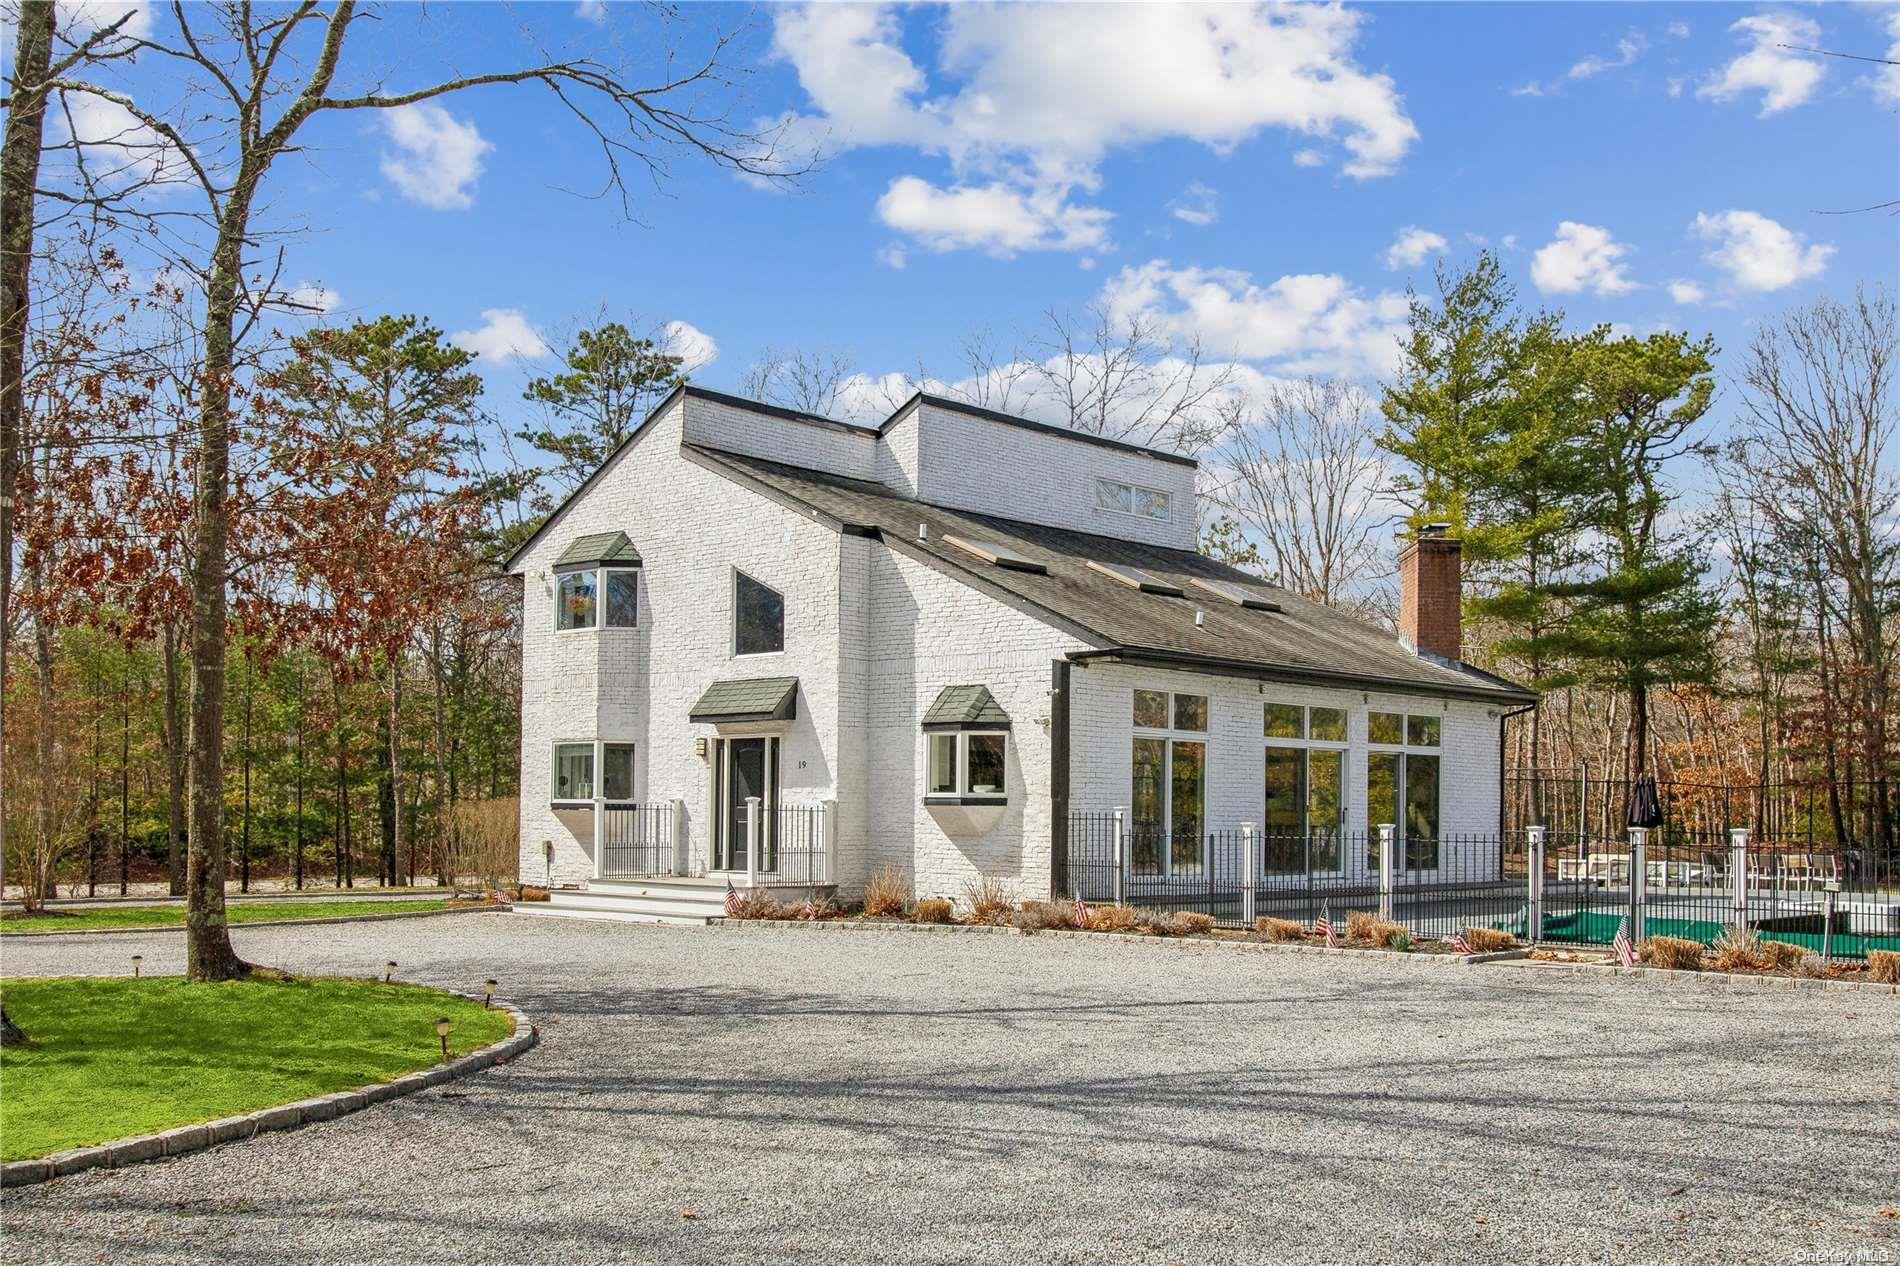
610	381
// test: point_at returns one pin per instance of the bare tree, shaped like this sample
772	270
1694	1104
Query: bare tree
255	78
811	381
1302	472
1122	376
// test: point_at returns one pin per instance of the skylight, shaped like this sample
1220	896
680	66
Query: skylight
996	555
1242	595
1137	579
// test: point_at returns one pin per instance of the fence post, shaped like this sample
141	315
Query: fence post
1828	894
1249	873
1121	857
831	842
1534	894
600	826
1639	880
752	841
1738	878
1387	832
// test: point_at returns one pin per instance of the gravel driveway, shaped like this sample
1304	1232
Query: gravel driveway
751	1096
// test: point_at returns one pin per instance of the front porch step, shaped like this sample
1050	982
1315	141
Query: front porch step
669	899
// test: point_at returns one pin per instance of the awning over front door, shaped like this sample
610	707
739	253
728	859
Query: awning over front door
747	699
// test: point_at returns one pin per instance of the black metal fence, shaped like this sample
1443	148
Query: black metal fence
799	850
637	841
1693	885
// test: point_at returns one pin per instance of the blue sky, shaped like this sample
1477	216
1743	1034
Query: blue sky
1269	182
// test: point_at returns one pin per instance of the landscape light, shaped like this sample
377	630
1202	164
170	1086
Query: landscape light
136	960
389	969
442	1027
488	993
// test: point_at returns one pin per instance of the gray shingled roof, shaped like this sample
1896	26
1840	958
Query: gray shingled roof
747	699
959	707
1301	641
600	547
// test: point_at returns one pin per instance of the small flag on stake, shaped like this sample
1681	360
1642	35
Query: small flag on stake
734	902
1458	943
1324	926
1621	947
1081	912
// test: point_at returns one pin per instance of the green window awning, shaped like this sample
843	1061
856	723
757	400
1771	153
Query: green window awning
599	549
966	708
747	699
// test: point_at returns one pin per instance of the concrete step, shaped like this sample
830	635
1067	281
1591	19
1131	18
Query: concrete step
548	910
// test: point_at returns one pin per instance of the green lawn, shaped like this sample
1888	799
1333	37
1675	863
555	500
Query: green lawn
113	1057
94	918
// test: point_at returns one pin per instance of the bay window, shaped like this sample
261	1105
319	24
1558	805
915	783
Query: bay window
967	764
574	771
578	598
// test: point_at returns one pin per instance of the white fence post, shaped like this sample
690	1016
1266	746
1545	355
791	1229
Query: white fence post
1639	881
1249	873
1534	897
1388	833
752	841
830	858
1121	856
1738	878
600	829
1828	894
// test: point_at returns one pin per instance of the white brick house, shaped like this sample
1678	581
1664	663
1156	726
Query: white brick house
761	646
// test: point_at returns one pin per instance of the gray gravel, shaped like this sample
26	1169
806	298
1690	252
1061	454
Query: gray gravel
882	1098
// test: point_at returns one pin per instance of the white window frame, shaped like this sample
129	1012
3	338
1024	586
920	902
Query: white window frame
961	792
1133	491
600	575
738	572
1309	745
1404	751
1172	735
597	770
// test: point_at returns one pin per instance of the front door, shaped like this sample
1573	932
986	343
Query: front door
746	769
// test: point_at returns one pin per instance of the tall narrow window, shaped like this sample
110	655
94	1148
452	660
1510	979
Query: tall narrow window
573	771
616	771
623	598
1305	760
758	617
577	602
1168	783
1403	787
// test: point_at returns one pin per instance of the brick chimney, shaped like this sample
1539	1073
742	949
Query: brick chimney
1430	592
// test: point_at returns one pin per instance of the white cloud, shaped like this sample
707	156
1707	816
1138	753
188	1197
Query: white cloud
1887	78
995	217
695	348
1628	49
893	255
308	297
594	11
1030	97
504	335
1412	247
118	150
1678	30
1309	158
1531	89
1686	292
437	158
1198	204
1317	323
1785	79
1581	257
1756	252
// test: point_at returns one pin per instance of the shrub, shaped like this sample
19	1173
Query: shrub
1154	922
1883	966
815	908
886	893
1402	942
1052	914
1671	952
1279	929
483	843
1111	918
1489	940
1783	956
1192	923
933	910
531	893
1810	966
1739	951
761	905
1371	929
990	900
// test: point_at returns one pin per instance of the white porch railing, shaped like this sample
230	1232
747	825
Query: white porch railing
637	841
793	845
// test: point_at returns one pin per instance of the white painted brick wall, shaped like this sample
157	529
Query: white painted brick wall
843	450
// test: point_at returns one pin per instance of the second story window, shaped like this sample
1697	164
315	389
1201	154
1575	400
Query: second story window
597	583
1148	503
758	617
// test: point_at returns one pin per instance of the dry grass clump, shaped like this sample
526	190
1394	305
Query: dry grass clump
1671	952
531	893
1489	940
933	910
1038	916
990	900
1364	926
1279	929
761	905
1112	918
1739	951
814	908
1783	956
1192	923
886	893
1883	967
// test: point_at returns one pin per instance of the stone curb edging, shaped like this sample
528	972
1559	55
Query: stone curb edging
285	1116
1179	942
503	908
1721	981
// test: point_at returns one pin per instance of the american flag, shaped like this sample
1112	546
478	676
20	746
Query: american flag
1081	912
734	902
1621	947
1458	943
1324	926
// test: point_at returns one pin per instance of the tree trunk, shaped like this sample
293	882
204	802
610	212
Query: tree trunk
244	847
340	831
38	885
174	767
444	803
19	178
297	751
1638	734
125	786
10	1033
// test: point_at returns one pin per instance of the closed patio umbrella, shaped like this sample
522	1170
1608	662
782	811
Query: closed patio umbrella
1645	808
